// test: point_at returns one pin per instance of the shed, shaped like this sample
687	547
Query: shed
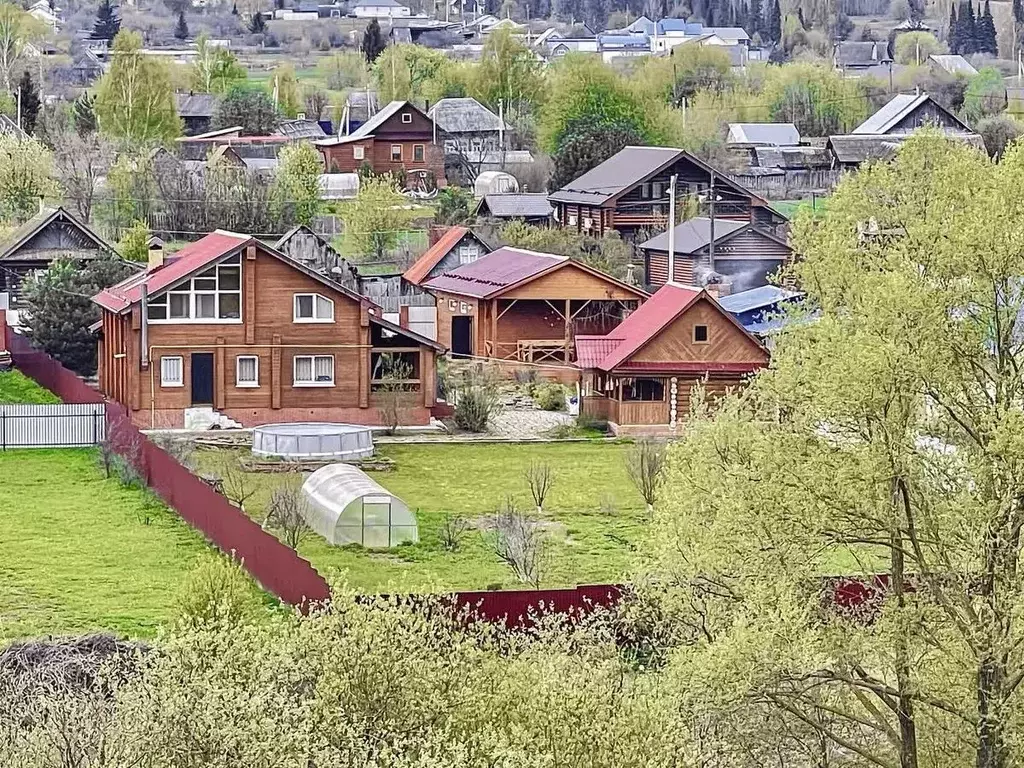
345	506
495	183
763	134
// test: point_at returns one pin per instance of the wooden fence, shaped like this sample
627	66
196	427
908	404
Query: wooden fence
65	425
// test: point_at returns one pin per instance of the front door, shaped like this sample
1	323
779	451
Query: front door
462	335
202	378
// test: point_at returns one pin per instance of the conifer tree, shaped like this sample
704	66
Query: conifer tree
373	42
773	27
181	28
257	24
234	9
84	114
756	23
966	35
108	24
953	34
985	32
29	104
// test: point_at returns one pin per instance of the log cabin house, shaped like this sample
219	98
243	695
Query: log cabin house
639	376
400	138
53	233
735	255
231	331
629	192
514	304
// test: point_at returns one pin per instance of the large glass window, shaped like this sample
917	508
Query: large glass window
212	295
313	371
643	390
312	308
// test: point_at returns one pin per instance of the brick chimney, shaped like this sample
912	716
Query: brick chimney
156	253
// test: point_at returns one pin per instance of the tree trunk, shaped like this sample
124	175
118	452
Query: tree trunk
904	703
991	749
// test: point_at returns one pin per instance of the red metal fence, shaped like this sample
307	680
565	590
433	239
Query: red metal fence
276	567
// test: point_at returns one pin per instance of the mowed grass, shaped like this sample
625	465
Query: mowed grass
81	553
593	516
16	389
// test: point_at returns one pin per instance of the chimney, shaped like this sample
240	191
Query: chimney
156	253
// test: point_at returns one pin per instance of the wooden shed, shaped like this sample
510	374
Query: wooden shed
639	377
515	304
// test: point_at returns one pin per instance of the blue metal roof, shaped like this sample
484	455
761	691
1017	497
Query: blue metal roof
625	41
756	298
680	25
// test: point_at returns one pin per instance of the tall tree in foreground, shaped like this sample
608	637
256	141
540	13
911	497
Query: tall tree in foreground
26	177
215	69
135	98
108	23
376	220
883	444
373	44
28	94
17	30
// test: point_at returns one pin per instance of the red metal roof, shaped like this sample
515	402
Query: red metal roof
192	257
494	272
644	324
419	271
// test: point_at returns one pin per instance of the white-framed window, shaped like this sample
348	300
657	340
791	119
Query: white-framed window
572	219
247	371
312	308
396	153
358	152
469	253
172	371
212	296
313	371
476	144
407	117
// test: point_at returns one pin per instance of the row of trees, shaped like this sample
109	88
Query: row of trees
970	34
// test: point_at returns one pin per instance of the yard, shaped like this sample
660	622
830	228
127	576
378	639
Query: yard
593	516
80	553
17	388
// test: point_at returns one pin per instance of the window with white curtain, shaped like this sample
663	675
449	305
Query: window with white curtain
312	308
247	371
313	371
172	371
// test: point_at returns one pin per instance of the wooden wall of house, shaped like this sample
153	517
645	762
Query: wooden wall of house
311	250
928	114
340	158
744	274
59	235
453	259
533	320
726	342
450	306
656	268
570	282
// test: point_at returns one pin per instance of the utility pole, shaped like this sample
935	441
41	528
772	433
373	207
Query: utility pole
711	207
672	230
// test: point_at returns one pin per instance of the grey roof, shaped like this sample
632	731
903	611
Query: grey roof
366	130
860	148
196	104
953	63
764	134
260	163
861	54
694	234
375	4
12	244
728	33
756	298
899	107
464	115
300	129
517	205
792	157
627	168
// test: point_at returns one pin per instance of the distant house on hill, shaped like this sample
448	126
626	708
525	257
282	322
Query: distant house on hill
951	64
378	9
853	56
533	208
196	111
762	135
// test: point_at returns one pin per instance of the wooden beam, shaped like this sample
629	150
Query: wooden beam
568	327
556	310
506	309
249	294
494	325
585	303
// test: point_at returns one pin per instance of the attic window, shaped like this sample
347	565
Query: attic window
406	118
700	334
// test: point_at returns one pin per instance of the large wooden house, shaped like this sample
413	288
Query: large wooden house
230	330
515	304
639	377
734	255
53	233
399	138
629	192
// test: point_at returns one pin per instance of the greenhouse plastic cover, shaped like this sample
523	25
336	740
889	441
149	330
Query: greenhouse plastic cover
346	506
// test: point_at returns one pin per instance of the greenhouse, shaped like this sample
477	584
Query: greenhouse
345	506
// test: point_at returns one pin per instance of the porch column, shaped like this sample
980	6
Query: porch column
672	411
568	327
493	309
275	372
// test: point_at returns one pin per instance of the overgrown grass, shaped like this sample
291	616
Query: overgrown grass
594	515
18	389
79	552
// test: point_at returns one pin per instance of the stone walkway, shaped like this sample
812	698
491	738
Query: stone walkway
521	425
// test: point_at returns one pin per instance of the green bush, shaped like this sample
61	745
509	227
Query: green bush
549	396
216	591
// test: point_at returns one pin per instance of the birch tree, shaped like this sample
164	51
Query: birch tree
884	444
18	30
135	98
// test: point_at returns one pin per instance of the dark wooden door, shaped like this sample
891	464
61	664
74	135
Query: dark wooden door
462	335
202	378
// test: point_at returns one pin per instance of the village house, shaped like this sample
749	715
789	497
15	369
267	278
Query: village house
196	111
303	245
531	207
230	331
629	192
730	255
53	233
400	137
639	376
455	247
515	304
468	131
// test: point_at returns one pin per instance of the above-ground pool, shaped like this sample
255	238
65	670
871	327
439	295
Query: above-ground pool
308	440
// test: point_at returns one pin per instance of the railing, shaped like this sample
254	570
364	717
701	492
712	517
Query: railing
64	425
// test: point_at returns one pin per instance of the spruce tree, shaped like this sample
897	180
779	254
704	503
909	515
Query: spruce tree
257	24
773	27
756	23
107	22
709	15
986	32
84	115
181	28
29	102
373	44
1018	11
953	34
965	29
234	9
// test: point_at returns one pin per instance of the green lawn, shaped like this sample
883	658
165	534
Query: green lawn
594	512
79	552
16	388
789	208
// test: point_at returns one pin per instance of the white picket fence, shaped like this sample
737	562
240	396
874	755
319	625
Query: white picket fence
66	425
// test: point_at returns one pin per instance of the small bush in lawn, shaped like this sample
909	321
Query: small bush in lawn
217	590
477	398
549	396
453	529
